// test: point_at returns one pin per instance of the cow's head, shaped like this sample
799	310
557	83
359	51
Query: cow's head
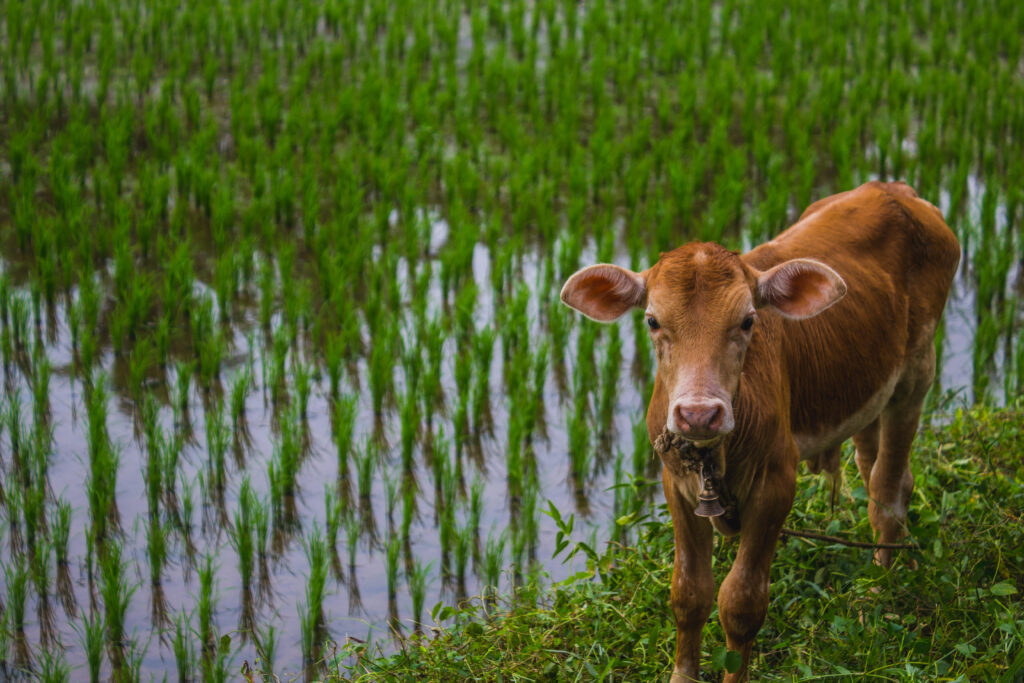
701	303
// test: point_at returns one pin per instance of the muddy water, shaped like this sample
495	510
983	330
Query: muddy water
358	598
357	603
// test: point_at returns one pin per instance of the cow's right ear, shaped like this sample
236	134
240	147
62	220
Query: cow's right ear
604	292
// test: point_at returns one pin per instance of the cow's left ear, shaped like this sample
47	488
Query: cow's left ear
604	292
800	288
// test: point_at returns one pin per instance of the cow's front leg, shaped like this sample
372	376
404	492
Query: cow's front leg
743	597
693	585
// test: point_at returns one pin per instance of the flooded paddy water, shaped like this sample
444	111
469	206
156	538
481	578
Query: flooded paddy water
284	362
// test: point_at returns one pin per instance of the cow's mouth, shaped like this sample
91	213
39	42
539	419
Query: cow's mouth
704	443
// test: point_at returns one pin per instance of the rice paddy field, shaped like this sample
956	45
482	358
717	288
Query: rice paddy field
283	359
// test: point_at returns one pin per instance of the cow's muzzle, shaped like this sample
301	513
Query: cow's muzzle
704	420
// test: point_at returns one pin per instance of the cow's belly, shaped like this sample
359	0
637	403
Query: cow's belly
810	445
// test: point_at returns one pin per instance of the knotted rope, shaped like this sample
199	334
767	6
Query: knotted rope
683	455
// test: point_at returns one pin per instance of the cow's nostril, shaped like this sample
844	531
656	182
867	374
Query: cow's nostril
681	418
715	418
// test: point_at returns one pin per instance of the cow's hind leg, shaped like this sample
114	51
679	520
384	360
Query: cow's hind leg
866	442
891	482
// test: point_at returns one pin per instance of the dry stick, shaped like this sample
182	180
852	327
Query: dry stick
843	541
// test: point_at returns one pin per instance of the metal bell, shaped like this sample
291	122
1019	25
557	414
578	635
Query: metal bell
708	505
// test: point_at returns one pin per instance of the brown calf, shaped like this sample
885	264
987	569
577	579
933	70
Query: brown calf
776	356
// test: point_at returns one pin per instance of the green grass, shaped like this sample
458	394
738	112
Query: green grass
952	610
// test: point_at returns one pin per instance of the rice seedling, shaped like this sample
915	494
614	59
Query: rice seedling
156	545
39	563
390	500
243	532
187	514
41	390
493	557
334	356
343	431
267	648
181	393
103	464
410	428
19	313
205	607
540	373
364	472
134	659
391	567
268	295
353	531
313	620
483	352
580	453
218	439
519	543
276	379
91	636
239	391
417	580
302	387
7	348
585	374
211	353
463	437
33	509
528	522
335	513
283	468
431	383
61	531
610	378
16	576
12	418
155	446
382	363
116	591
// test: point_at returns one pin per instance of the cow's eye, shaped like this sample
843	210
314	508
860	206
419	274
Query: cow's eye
652	323
747	323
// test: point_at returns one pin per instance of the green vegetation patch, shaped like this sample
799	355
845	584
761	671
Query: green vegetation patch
950	611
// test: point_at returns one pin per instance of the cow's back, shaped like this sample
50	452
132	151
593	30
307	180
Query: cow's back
898	258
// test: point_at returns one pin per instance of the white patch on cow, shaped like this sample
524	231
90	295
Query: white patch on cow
688	487
830	437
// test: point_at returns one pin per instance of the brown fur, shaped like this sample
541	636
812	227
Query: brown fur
796	388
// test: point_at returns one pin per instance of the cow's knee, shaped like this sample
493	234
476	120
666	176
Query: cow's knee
890	499
742	606
692	600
